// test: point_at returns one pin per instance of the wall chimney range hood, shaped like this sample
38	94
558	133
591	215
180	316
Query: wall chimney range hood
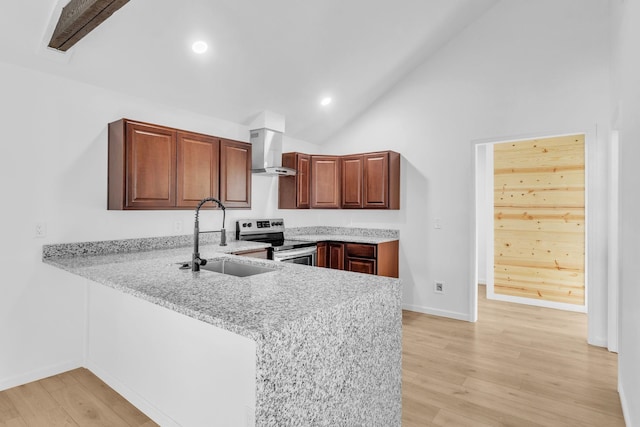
266	148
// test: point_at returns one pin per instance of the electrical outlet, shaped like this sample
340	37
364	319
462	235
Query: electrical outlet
438	287
249	416
177	226
41	230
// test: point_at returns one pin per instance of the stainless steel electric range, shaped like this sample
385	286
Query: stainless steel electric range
272	231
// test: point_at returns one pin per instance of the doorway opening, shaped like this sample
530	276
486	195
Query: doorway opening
530	216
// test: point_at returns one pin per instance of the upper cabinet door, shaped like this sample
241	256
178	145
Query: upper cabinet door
325	182
352	173
294	191
381	185
235	174
197	168
150	166
376	180
356	181
303	183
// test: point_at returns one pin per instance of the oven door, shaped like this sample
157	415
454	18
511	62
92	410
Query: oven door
304	256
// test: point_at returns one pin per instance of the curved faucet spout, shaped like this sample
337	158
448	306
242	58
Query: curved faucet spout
211	199
196	262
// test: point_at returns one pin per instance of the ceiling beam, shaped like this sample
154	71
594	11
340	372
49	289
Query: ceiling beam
79	18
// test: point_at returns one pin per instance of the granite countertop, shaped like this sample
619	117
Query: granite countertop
372	236
250	306
374	240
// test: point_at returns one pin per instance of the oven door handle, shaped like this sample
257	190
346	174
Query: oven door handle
294	253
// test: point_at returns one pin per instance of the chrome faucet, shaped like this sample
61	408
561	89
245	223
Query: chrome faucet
196	262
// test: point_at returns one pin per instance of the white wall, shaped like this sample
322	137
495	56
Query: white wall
54	169
524	68
626	69
483	209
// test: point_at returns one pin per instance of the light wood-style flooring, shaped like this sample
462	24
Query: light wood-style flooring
517	366
74	398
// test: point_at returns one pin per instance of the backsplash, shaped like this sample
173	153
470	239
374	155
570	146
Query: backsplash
342	231
64	250
104	247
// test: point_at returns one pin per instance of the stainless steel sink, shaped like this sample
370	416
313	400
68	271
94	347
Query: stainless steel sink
233	268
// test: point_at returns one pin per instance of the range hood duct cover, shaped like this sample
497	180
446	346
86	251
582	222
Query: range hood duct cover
266	148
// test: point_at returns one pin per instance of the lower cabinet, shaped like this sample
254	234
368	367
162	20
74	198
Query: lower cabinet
380	259
336	256
321	255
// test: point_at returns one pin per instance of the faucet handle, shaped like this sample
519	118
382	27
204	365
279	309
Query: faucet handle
196	262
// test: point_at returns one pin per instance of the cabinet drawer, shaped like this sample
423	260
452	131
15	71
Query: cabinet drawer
359	265
361	250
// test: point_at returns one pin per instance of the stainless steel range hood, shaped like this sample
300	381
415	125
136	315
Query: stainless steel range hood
266	146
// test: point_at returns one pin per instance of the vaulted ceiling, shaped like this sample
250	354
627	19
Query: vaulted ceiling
276	55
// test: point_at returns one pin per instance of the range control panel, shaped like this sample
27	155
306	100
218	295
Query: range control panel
252	226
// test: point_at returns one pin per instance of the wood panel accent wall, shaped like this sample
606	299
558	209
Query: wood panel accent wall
539	232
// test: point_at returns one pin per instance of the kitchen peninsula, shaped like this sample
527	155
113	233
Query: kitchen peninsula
295	346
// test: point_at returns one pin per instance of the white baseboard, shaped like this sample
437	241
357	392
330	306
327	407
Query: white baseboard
538	303
38	374
437	312
133	397
625	405
597	341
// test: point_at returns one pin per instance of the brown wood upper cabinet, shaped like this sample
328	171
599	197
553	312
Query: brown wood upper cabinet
325	182
235	174
371	180
352	174
156	167
294	191
381	180
142	167
198	160
355	181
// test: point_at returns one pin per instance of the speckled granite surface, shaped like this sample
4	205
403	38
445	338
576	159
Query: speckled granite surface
63	250
342	234
328	342
340	366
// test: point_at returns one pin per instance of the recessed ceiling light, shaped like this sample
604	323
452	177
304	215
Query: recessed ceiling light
326	101
199	47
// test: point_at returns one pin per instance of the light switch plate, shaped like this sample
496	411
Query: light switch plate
41	230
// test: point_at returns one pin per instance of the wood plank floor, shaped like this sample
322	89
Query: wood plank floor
518	366
74	398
